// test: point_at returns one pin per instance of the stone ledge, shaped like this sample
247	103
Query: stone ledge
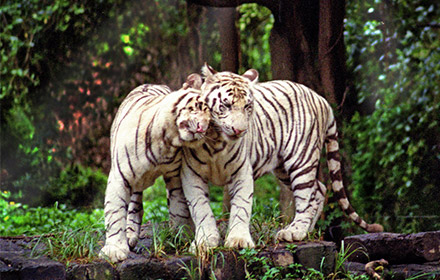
15	263
395	248
400	271
17	266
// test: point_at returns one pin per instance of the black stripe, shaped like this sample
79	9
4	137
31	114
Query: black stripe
126	183
194	155
234	156
129	162
116	233
148	142
238	169
304	186
177	103
192	170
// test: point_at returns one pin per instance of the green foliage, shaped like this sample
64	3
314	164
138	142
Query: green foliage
261	267
20	219
394	53
77	186
255	24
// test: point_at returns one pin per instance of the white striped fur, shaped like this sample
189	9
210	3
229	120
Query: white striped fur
147	134
256	128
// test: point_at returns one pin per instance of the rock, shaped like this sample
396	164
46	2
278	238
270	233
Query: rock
97	271
400	271
227	265
311	255
18	266
147	268
395	248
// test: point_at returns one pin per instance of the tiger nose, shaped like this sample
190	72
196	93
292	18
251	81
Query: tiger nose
238	131
200	128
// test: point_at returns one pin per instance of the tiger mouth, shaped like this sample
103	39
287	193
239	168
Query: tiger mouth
196	135
233	136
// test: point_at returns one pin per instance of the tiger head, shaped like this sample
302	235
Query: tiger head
191	112
230	99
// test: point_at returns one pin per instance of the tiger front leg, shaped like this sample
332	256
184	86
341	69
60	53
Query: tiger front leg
134	219
115	210
309	202
241	191
196	193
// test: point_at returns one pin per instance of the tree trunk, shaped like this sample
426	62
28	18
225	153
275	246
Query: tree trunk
229	39
230	49
331	50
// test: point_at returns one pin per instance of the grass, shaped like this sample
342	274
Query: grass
67	245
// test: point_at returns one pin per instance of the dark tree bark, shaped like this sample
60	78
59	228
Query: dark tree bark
331	50
229	39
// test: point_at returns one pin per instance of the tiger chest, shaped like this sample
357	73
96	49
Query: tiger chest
210	167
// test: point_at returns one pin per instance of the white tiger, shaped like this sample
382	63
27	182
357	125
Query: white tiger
150	127
256	128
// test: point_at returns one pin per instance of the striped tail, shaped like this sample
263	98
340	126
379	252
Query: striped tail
334	166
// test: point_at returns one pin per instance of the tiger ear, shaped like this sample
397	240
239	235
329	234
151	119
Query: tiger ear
252	75
207	70
193	81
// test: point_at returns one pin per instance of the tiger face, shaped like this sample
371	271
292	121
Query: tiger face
230	100
192	116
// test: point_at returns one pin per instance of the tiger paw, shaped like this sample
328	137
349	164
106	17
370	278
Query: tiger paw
132	239
202	245
291	234
115	253
239	241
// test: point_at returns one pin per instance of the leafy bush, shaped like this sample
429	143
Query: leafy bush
255	24
394	150
77	186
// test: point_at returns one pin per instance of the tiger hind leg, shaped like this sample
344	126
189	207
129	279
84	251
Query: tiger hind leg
320	201
134	219
309	202
287	203
177	204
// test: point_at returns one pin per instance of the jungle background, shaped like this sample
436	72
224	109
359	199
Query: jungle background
66	66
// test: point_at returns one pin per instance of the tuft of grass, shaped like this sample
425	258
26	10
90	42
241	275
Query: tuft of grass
204	260
70	245
342	256
166	240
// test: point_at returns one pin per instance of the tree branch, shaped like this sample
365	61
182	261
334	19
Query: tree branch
234	3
